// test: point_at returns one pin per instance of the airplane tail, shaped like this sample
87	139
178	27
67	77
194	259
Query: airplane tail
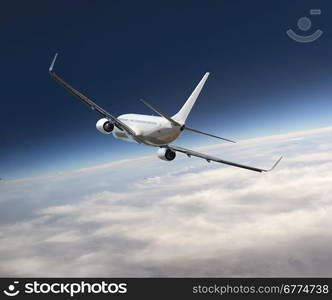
183	113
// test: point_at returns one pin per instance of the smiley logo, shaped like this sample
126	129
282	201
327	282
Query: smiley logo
11	289
304	24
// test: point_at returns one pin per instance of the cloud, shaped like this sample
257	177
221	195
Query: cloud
145	217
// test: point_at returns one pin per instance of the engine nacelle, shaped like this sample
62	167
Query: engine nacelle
104	126
166	154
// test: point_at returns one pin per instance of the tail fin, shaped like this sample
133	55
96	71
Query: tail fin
183	113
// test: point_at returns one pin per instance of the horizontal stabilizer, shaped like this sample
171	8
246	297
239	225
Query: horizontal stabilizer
209	134
160	113
183	127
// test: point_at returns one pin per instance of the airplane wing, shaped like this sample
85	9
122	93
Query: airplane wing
91	104
209	158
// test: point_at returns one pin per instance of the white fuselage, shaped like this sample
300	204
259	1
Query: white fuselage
151	130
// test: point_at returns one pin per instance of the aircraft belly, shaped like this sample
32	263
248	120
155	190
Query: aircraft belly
161	136
153	136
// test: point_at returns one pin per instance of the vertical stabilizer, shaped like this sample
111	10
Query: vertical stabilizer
183	113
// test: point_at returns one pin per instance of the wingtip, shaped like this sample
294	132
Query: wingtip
276	163
53	62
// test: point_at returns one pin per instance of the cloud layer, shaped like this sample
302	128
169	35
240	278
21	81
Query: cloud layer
146	217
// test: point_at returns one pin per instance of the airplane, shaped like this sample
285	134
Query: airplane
156	131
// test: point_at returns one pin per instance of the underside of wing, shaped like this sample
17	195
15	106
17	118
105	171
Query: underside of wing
209	158
91	104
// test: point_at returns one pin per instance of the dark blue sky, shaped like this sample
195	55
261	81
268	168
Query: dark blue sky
117	52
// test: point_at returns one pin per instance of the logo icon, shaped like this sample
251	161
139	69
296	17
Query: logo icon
11	289
304	24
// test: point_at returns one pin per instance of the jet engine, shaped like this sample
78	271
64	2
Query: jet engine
166	154
104	126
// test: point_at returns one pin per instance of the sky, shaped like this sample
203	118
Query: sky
74	202
116	52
